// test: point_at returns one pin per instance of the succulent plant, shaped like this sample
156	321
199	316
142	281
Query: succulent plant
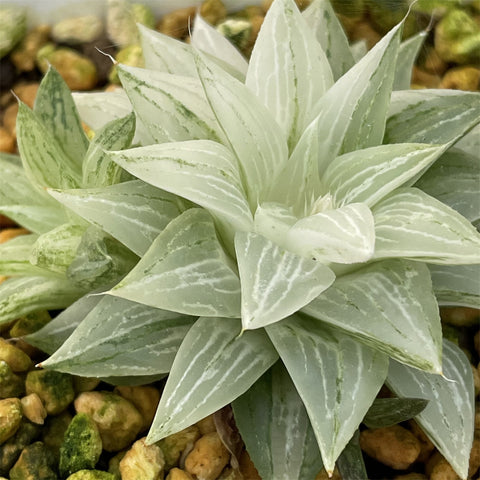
289	218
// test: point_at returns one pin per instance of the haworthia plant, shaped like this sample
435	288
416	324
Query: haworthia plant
292	204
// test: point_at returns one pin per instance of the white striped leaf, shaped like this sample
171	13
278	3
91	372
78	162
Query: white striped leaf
121	338
202	171
352	114
336	376
44	161
275	427
172	107
457	285
342	235
273	221
448	419
132	212
207	39
409	223
22	295
285	58
185	270
470	142
368	175
432	118
407	54
214	366
386	412
328	30
55	107
275	283
98	169
56	249
249	127
52	336
454	180
389	306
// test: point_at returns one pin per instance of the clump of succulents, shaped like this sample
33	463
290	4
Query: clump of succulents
293	277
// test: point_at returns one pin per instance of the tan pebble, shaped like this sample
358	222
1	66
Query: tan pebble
474	463
53	431
23	57
476	379
33	408
433	63
394	446
2	278
437	468
476	342
144	398
323	475
10	417
10	119
118	421
411	476
462	78
142	461
206	425
26	93
426	445
10	233
114	464
213	11
30	323
6	222
177	474
424	79
175	24
477	416
17	360
364	31
85	384
247	468
460	316
174	445
208	457
7	142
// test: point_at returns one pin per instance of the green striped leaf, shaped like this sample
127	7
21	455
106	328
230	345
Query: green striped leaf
457	285
121	338
98	169
470	142
173	108
250	129
409	223
341	365
389	306
284	51
370	174
386	412
275	427
350	463
275	283
448	419
185	270
202	171
328	30
214	366
22	295
132	212
56	109
407	54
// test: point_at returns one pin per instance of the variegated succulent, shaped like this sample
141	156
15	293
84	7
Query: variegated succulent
290	214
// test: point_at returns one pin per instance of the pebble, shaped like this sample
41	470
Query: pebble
437	468
142	461
10	119
474	463
7	141
35	462
411	476
54	431
131	55
24	55
394	446
247	468
91	475
85	384
29	323
213	11
10	233
11	385
26	92
76	30
462	78
10	417
177	474
13	26
33	409
426	445
174	445
17	360
176	23
206	425
460	316
323	475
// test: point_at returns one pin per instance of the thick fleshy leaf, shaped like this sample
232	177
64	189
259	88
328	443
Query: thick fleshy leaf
273	221
343	235
22	295
457	285
352	114
185	270
350	463
55	107
368	175
249	127
389	306
98	170
336	376
454	180
431	117
172	107
386	412
202	171
124	338
470	142
275	427
44	161
407	55
214	366
53	335
132	212
275	283
285	58
328	30
448	419
409	223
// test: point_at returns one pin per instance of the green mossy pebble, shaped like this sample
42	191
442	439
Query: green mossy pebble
30	323
10	417
17	360
11	385
91	475
35	463
13	26
54	431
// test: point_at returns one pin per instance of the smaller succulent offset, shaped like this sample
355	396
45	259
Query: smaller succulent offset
296	283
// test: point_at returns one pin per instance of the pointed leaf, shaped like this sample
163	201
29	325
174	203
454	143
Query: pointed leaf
276	429
185	270
407	54
124	338
350	463
410	223
275	283
273	221
55	107
343	235
368	175
470	142
386	412
343	365
389	306
132	212
448	419
214	365
285	58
